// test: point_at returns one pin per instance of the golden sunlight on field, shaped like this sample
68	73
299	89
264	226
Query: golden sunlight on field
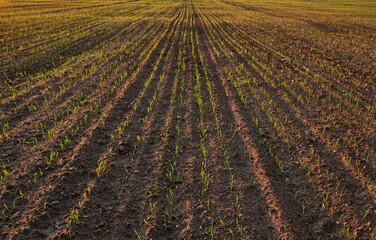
188	119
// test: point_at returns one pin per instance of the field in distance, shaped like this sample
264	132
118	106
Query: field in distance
188	119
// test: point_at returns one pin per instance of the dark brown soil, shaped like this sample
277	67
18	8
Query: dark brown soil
187	120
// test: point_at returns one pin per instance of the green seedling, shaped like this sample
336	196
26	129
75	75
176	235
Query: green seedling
232	181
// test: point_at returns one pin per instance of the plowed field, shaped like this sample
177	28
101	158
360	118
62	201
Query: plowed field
188	119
